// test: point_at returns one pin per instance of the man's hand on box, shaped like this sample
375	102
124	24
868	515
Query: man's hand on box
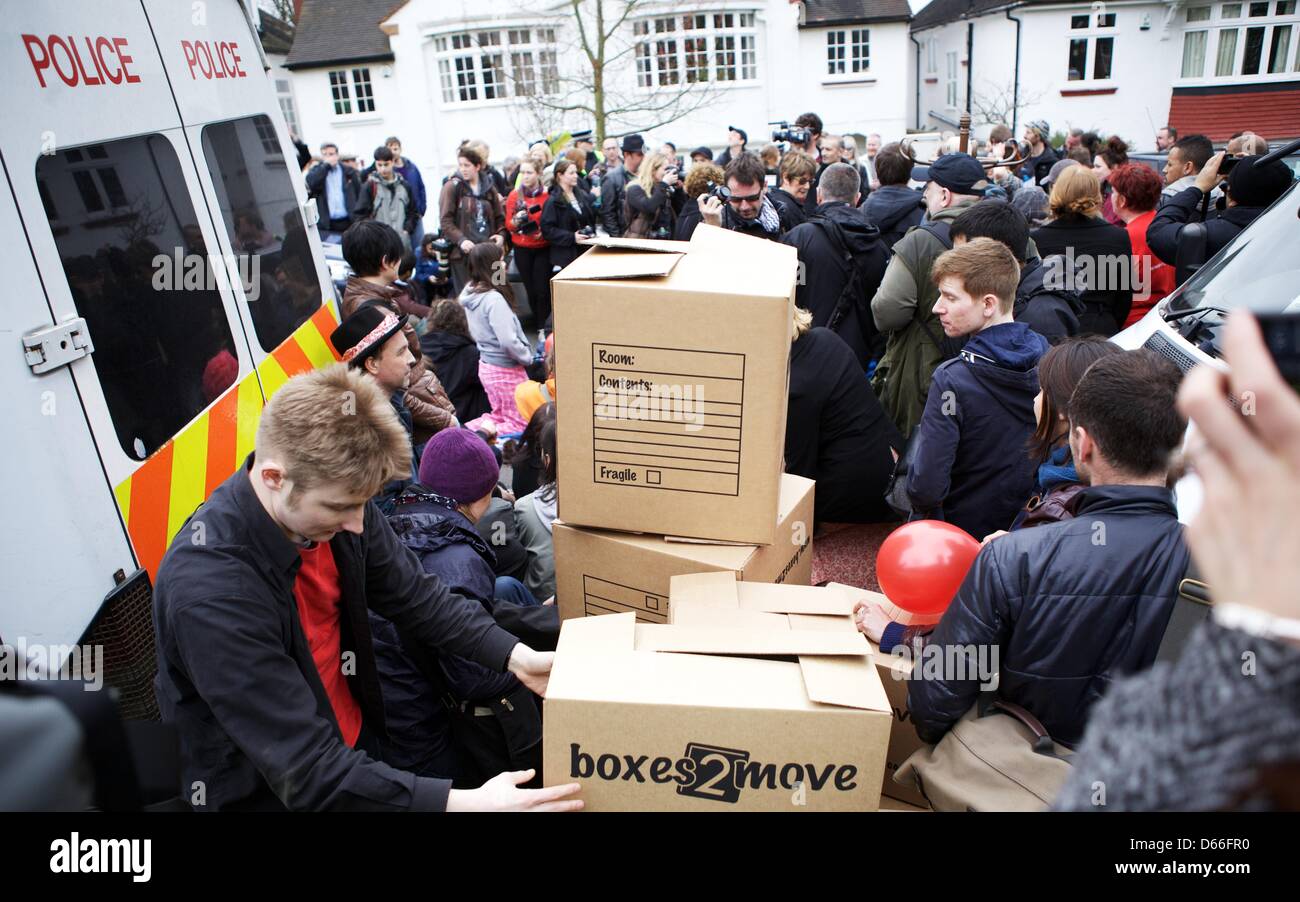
502	793
532	668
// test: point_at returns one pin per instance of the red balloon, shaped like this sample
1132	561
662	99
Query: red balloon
921	565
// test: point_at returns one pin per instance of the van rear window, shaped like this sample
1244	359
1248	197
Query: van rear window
136	263
265	225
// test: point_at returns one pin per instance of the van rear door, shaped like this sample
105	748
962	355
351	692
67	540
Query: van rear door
248	171
120	233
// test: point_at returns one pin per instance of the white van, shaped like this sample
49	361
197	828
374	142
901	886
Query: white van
164	280
1258	270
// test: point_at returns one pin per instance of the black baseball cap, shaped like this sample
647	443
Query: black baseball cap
960	173
740	131
702	152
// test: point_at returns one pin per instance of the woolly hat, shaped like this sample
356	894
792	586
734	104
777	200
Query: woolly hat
1252	185
459	465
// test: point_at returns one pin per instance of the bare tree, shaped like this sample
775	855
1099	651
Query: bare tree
283	10
600	85
995	104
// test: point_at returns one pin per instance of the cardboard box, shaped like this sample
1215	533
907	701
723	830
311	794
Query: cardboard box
736	710
674	366
894	674
604	572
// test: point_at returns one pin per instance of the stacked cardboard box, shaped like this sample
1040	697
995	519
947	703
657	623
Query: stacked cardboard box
746	701
674	360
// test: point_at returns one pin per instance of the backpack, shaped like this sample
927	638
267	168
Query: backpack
853	286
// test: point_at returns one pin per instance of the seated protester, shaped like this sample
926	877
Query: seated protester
567	212
796	173
969	465
748	210
412	304
429	279
371	342
654	200
502	346
530	395
1251	189
835	430
1135	190
1077	231
435	520
526	461
1051	312
255	625
535	514
454	357
838	292
1072	606
893	208
698	182
375	253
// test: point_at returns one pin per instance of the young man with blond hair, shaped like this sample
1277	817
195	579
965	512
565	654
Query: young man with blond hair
265	660
970	466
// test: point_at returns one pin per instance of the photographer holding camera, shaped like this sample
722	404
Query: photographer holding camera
654	200
524	220
744	205
569	217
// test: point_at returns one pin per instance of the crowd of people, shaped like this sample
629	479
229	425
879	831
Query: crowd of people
948	354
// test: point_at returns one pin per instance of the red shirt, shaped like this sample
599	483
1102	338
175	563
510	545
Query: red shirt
514	202
316	590
1150	270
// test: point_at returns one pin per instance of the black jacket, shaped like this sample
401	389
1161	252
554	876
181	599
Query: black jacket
661	207
316	190
236	676
1070	606
836	432
971	466
893	209
687	220
613	190
455	363
1052	312
827	272
560	221
1184	207
792	212
1102	255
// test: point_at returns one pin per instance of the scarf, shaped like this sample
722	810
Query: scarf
1058	469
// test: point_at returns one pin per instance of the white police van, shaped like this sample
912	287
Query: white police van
1258	270
163	278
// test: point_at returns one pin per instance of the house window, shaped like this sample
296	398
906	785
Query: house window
932	56
952	80
848	51
694	48
1091	48
496	64
357	94
1198	14
1256	49
1194	54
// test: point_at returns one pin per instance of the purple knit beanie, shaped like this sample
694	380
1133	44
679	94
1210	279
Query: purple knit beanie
459	465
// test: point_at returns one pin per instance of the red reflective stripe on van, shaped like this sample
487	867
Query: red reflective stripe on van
151	487
222	429
292	359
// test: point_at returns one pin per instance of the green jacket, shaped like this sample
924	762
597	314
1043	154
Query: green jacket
903	302
903	308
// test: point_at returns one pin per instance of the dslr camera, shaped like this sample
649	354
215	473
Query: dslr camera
721	192
587	232
524	225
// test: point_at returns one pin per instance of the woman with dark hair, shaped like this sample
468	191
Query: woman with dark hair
1108	159
503	348
1101	252
568	212
535	515
1136	191
450	348
472	211
526	461
1059	371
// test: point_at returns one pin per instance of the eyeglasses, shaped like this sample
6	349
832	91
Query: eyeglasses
737	199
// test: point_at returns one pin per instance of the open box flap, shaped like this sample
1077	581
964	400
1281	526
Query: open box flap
600	264
740	640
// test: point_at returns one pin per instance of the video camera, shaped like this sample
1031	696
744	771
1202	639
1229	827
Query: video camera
793	134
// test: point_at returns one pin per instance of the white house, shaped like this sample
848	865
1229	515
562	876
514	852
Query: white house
435	72
1123	67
